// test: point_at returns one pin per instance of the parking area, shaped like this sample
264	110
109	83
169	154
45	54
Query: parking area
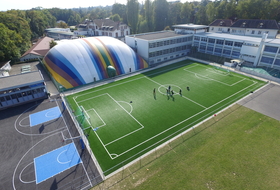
41	149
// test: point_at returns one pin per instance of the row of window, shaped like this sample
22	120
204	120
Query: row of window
169	42
167	51
219	51
16	96
269	60
221	42
271	49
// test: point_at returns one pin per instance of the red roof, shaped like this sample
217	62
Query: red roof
40	48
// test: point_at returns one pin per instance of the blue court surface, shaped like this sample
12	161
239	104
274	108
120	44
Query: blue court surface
55	162
44	116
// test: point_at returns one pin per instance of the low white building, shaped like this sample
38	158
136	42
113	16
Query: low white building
157	47
245	27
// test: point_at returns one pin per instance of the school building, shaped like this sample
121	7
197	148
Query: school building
252	41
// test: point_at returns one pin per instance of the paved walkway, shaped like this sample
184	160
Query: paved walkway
266	101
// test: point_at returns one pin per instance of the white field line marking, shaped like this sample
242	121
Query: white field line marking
99	118
22	172
198	65
103	145
128	81
83	110
215	71
130	116
184	120
176	132
131	108
57	158
179	88
22	124
212	78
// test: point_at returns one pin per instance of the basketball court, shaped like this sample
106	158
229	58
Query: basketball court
41	149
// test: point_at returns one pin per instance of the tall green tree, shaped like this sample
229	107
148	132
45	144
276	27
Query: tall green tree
132	10
148	9
160	14
174	14
9	39
120	9
185	13
16	21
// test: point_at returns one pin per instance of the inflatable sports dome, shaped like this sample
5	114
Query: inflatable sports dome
82	61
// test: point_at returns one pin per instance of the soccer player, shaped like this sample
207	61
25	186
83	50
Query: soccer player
180	92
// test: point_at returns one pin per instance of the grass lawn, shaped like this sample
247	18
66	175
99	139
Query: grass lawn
126	118
240	151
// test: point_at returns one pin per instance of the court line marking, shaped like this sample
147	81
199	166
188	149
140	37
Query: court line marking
182	129
57	159
22	172
171	126
28	134
22	120
13	178
154	73
177	93
182	122
74	145
209	78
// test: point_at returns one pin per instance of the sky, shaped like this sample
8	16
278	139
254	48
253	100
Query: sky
29	4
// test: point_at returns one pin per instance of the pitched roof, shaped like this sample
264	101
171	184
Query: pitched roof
40	48
256	23
222	22
106	24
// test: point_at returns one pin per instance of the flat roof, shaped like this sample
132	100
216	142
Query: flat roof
230	36
157	35
190	26
24	79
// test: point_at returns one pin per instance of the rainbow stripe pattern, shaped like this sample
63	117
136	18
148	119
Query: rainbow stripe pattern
82	61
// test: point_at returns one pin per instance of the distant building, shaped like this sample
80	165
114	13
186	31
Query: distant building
103	27
220	25
59	33
38	50
252	41
246	27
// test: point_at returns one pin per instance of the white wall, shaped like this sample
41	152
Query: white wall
271	33
142	48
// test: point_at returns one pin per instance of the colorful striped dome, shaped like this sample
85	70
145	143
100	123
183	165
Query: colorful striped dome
82	61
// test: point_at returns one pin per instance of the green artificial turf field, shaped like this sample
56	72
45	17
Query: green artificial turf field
126	118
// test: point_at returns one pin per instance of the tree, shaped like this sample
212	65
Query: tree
15	20
52	44
148	9
185	12
62	25
160	14
174	14
120	9
132	14
115	18
9	39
